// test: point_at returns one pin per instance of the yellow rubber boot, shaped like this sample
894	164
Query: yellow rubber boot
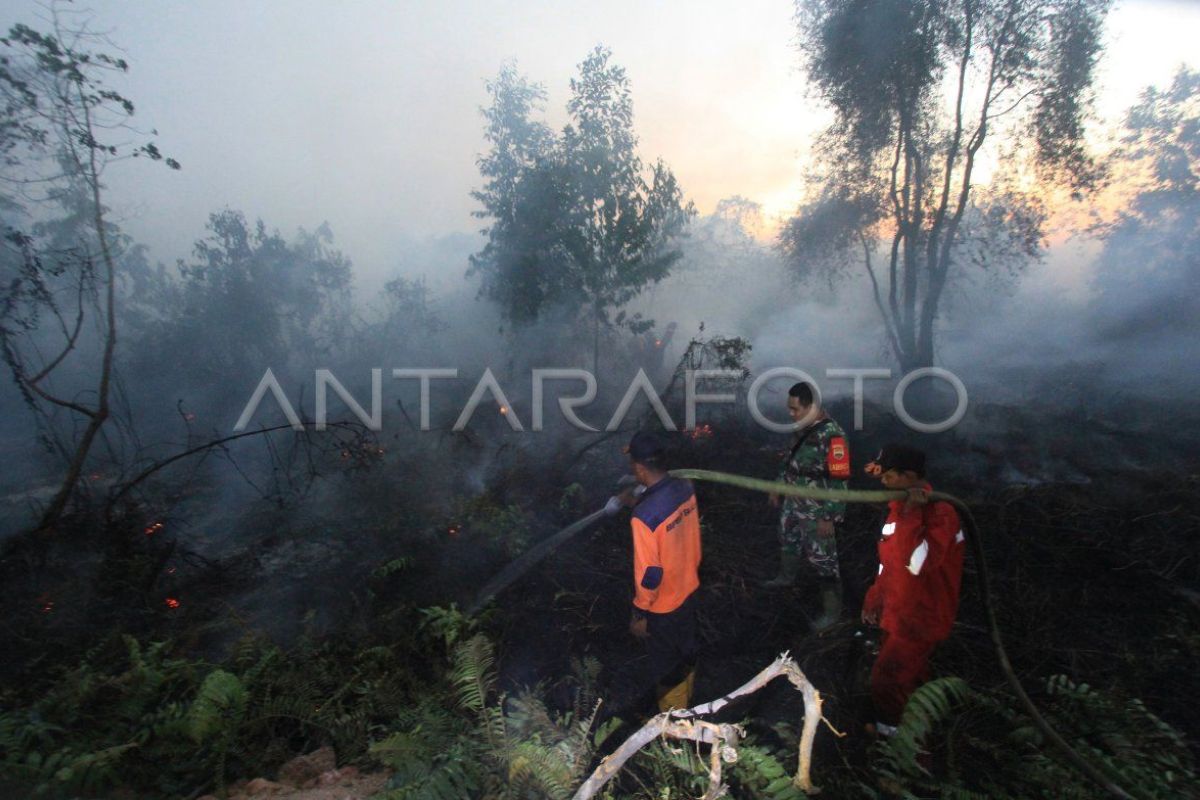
679	695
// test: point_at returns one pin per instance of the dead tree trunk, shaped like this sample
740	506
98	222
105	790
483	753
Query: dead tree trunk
686	724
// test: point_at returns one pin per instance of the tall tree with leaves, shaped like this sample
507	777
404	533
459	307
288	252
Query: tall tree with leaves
248	298
519	145
1147	273
64	125
577	221
918	89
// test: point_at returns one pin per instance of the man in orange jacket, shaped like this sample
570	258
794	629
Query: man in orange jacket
666	559
914	599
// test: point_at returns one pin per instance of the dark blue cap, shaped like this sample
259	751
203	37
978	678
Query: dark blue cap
902	458
646	447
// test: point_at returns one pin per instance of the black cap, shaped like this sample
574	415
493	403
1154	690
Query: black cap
647	447
901	457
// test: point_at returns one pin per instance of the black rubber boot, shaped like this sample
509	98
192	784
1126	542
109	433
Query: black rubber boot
831	605
789	566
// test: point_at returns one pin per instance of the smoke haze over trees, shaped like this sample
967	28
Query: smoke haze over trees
188	604
573	221
918	89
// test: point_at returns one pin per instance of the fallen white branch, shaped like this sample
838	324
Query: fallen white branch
685	724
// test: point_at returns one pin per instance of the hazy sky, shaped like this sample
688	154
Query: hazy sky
365	114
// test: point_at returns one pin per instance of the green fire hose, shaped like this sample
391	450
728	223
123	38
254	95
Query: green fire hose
523	564
970	530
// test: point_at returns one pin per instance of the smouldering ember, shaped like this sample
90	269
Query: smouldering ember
172	602
46	603
453	530
154	528
703	431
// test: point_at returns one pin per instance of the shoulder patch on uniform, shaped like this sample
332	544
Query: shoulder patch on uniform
838	458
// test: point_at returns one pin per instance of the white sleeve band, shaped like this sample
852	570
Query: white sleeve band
918	558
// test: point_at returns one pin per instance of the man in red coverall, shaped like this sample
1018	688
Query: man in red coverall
914	599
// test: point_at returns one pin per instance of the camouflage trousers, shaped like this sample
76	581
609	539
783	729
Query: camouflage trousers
798	534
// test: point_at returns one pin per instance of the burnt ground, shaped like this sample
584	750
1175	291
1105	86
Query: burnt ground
1097	581
1089	529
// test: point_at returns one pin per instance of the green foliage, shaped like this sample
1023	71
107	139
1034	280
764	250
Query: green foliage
983	746
94	725
396	565
680	769
426	766
220	704
247	298
1135	747
576	221
762	774
670	771
506	526
55	98
572	499
62	126
928	707
1144	276
918	88
215	716
475	741
131	715
448	623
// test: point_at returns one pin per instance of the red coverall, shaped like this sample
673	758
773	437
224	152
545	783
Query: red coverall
916	595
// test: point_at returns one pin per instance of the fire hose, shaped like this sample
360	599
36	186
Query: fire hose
523	564
971	532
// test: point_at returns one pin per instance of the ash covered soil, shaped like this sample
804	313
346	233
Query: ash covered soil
1092	577
1095	579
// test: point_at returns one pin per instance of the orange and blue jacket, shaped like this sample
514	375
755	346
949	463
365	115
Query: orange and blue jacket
666	546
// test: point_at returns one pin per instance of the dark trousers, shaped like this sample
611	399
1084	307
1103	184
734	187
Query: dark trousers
902	666
671	649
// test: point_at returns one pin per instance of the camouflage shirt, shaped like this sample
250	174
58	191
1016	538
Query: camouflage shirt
808	465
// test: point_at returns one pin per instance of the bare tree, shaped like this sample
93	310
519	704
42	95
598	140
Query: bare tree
64	127
918	87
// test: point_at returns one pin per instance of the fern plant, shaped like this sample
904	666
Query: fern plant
988	748
499	746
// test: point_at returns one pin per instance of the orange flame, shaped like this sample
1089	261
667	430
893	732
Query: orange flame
153	528
172	602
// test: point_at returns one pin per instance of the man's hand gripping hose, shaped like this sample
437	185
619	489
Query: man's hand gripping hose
971	532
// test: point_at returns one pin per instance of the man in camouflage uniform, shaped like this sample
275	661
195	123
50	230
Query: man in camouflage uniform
819	457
